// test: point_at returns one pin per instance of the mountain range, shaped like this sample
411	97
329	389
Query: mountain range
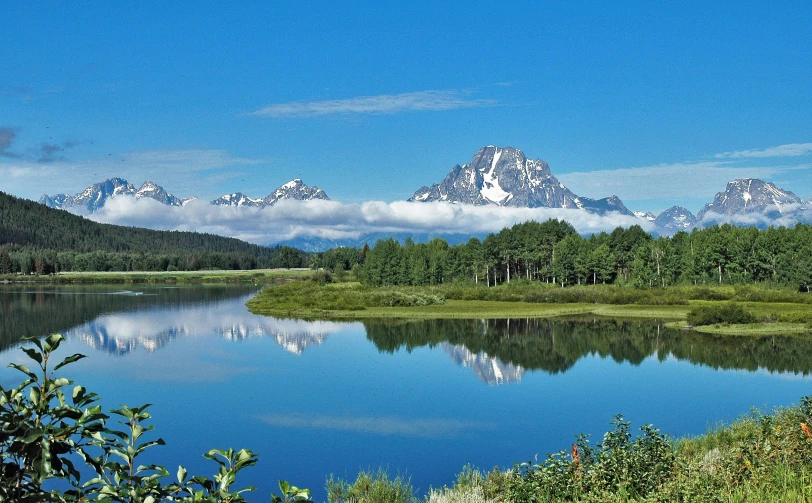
95	196
501	176
506	177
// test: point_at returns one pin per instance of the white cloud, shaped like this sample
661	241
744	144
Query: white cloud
788	150
663	181
379	425
330	219
381	104
786	216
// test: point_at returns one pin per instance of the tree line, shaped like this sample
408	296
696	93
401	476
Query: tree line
38	239
553	252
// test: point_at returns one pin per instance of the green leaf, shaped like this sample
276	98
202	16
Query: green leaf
23	369
34	394
69	360
52	342
61	381
181	474
33	354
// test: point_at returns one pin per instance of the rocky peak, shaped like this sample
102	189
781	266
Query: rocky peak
747	195
501	176
236	199
603	206
154	191
295	189
675	219
645	215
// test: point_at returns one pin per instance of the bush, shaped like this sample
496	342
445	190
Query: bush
617	465
371	487
322	277
50	429
394	298
720	314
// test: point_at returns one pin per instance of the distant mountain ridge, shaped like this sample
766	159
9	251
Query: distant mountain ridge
294	189
96	195
506	177
501	176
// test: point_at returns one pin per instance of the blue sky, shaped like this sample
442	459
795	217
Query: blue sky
659	103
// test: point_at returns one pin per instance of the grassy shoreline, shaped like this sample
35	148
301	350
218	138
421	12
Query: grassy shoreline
757	458
781	312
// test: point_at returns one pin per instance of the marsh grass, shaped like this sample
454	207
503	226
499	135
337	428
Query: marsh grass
522	299
311	297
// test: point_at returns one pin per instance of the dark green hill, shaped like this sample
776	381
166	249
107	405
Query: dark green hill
31	228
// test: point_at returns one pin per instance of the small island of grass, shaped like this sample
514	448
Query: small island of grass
719	310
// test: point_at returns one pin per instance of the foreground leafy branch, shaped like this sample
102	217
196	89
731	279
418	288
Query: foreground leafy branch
47	442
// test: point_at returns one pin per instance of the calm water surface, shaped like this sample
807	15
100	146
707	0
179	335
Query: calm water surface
424	397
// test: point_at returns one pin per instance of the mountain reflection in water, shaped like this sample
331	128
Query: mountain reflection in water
556	345
497	351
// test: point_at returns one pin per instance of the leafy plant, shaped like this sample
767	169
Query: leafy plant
46	441
43	434
371	487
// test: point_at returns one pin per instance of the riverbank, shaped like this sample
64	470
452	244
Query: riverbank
758	458
256	276
778	311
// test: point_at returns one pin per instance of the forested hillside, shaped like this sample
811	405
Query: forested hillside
34	238
552	252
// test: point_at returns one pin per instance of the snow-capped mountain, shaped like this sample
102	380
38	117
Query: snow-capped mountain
674	219
236	199
502	176
645	215
94	197
506	177
747	195
154	191
603	206
294	189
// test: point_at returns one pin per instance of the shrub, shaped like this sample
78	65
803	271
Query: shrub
721	313
49	429
322	277
617	465
371	487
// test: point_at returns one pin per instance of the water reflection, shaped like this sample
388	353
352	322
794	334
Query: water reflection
487	369
496	351
511	347
98	336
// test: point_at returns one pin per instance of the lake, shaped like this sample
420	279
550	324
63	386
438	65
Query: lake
419	397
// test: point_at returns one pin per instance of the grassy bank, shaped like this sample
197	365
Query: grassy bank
174	277
759	458
778	311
